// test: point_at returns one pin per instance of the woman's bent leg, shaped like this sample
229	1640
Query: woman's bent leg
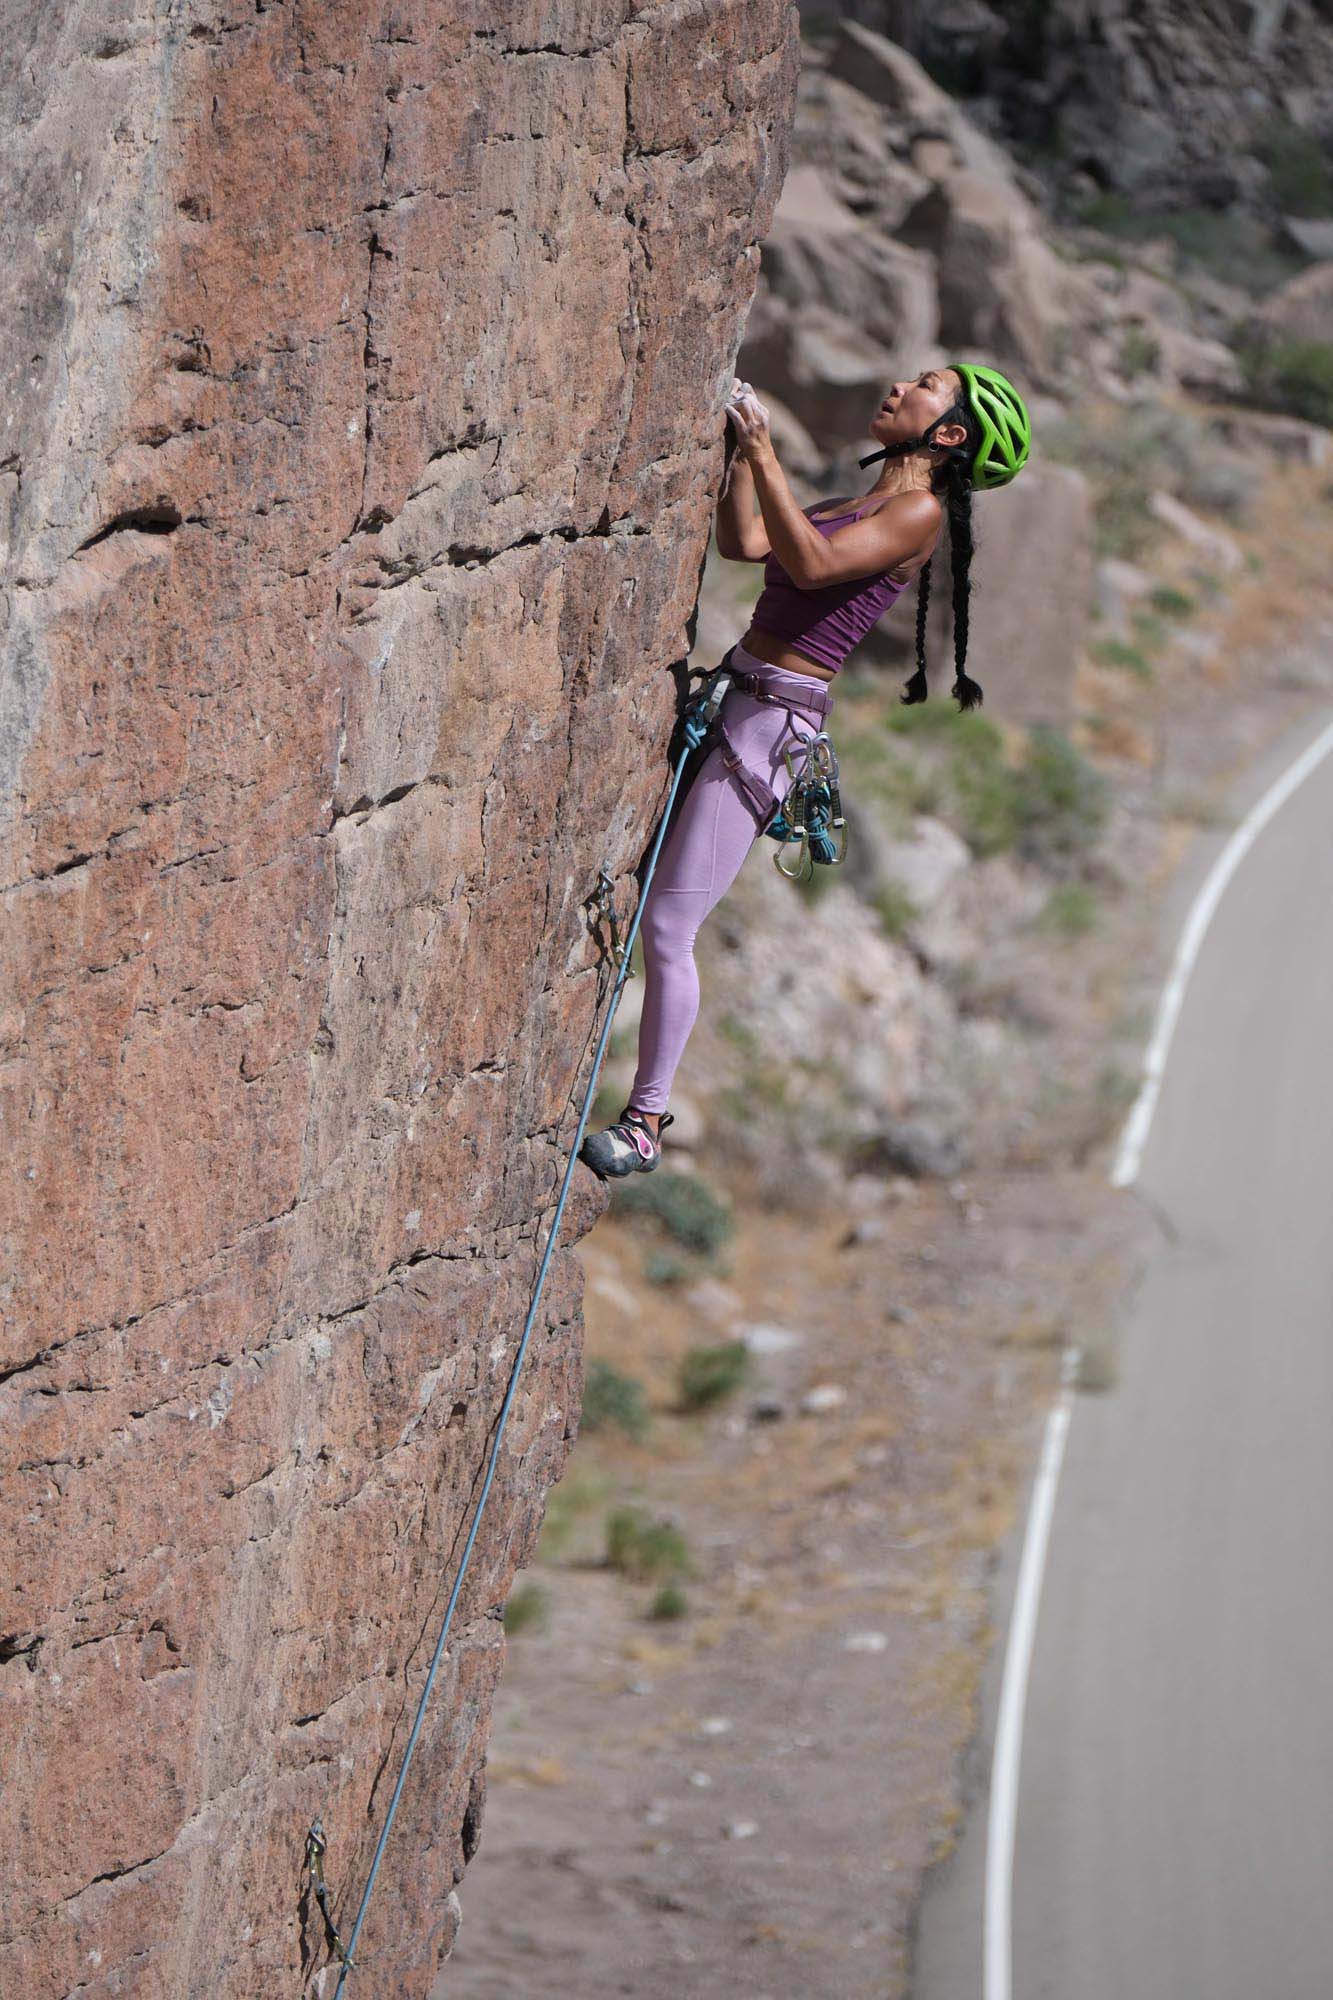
701	858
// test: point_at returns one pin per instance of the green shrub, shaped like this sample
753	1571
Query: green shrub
737	1106
1149	628
572	1514
1229	243
1070	910
645	1549
1139	352
1172	603
1116	1089
707	1374
663	1267
814	885
981	785
1061	801
962	774
528	1608
682	1204
897	912
612	1401
1107	210
1292	375
670	1602
742	1034
1299	170
607	1105
1115	653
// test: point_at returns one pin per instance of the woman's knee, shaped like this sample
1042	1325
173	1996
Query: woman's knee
668	933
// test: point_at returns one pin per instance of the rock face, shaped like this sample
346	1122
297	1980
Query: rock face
364	392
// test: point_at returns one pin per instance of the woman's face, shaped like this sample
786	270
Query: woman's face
914	403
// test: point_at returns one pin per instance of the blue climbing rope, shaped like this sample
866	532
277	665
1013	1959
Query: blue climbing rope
698	717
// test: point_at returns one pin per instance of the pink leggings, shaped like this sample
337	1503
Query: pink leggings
714	830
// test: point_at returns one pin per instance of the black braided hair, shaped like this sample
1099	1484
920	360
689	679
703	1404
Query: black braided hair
954	479
916	689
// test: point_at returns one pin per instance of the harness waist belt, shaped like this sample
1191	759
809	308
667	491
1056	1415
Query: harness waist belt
811	704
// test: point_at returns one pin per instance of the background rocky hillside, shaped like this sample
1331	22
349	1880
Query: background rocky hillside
1218	108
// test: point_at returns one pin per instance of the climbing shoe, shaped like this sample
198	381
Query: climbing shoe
627	1147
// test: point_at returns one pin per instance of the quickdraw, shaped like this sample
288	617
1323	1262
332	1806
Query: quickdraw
315	1849
601	909
810	818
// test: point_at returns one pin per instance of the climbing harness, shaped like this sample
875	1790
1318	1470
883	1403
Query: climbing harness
705	711
807	822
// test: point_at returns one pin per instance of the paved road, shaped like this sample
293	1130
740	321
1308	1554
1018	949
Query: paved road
1175	1807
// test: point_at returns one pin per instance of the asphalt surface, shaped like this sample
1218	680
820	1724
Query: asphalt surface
1174	1833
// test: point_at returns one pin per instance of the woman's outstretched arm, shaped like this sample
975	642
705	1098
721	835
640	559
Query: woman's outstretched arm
741	535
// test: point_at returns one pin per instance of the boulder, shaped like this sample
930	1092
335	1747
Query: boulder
1218	549
1290	440
809	206
1118	585
1302	309
1001	288
1031	598
824	366
1312	235
924	1147
920	866
1191	360
1031	594
846	137
890	77
886	289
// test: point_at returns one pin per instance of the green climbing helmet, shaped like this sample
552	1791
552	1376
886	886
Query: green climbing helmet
1006	431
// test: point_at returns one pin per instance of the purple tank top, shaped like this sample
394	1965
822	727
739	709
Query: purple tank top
823	624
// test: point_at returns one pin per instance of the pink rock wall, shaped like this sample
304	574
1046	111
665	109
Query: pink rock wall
362	425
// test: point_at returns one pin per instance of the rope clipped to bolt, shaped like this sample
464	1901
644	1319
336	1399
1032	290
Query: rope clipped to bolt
620	952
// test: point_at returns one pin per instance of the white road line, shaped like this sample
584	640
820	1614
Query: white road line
1013	1694
1135	1134
1002	1817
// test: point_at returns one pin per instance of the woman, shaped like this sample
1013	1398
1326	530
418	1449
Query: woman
829	573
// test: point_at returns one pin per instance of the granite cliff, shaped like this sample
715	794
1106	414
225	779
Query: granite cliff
363	416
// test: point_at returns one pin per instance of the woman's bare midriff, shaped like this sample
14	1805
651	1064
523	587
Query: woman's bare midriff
767	646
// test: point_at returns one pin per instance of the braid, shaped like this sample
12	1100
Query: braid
916	689
954	477
958	490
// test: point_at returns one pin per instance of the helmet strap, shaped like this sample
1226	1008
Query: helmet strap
915	444
893	450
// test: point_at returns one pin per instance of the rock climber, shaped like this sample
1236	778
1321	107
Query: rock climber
830	571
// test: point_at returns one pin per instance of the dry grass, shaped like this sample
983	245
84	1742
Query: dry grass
546	1770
